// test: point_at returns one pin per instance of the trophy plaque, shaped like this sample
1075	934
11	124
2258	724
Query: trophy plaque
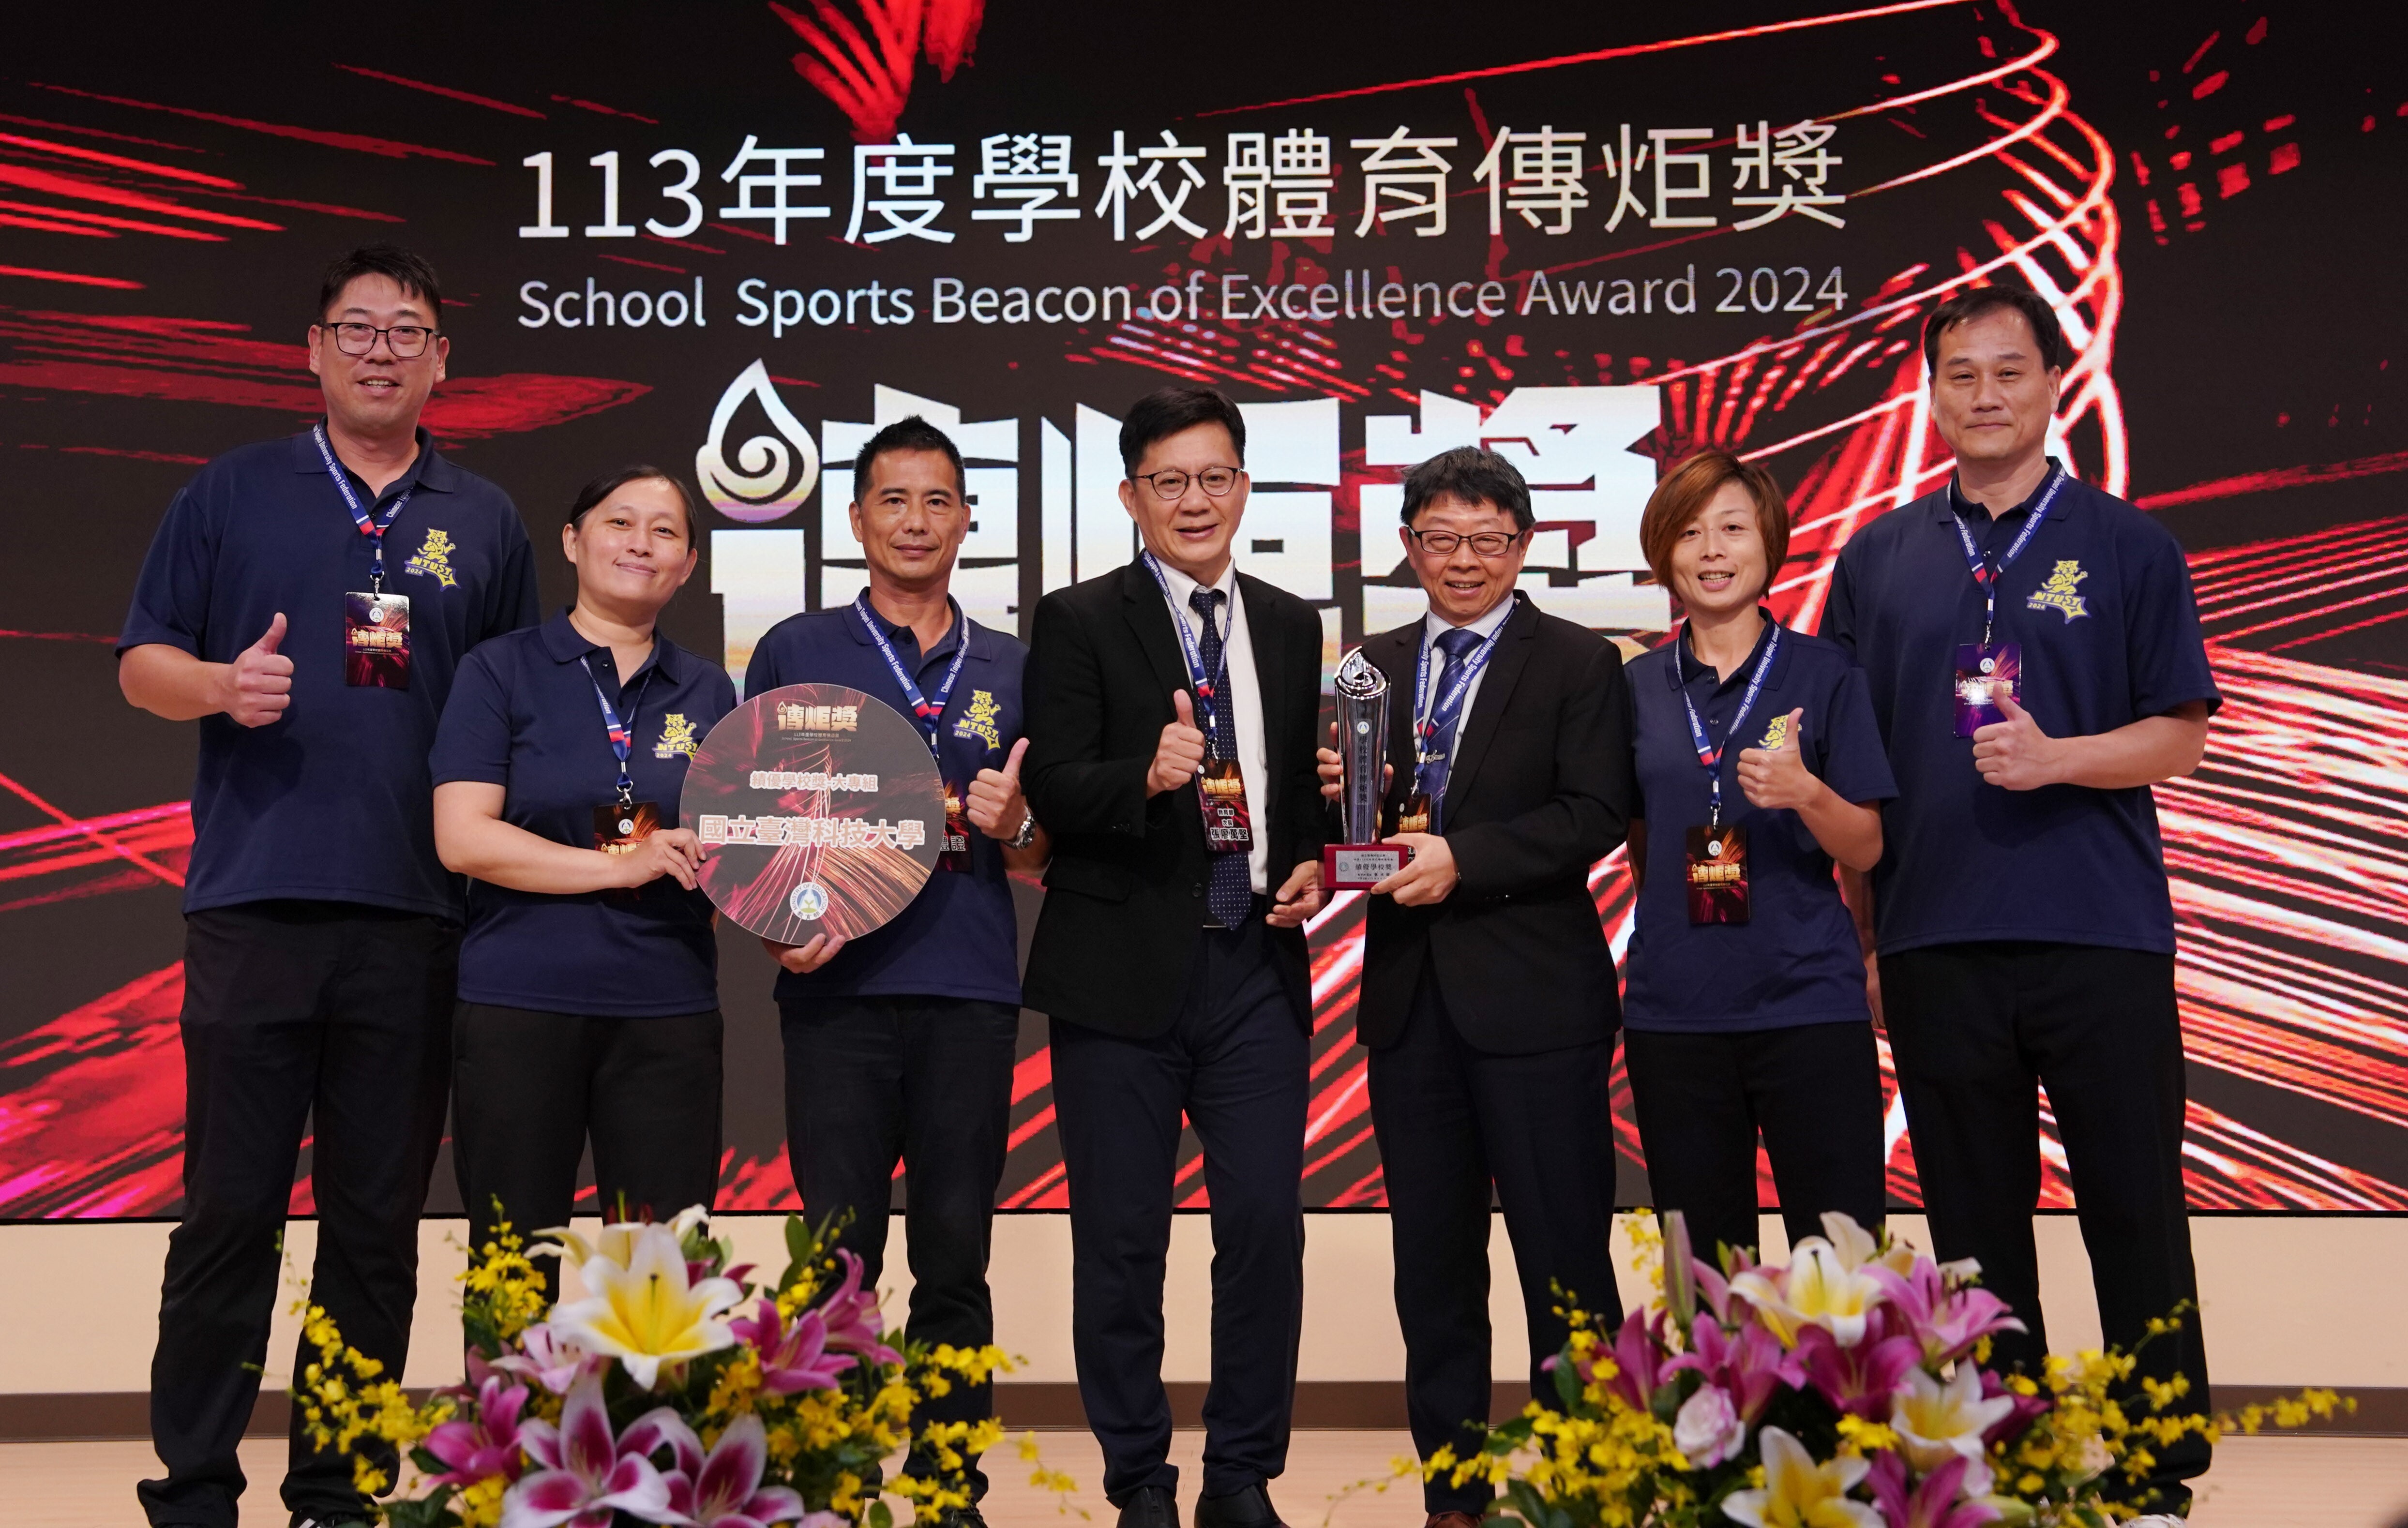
1362	861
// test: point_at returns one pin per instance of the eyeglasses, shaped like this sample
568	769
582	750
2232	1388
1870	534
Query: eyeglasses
1442	543
1170	483
407	341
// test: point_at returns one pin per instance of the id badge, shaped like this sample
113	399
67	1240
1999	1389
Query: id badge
1983	670
1220	788
1717	874
376	640
620	826
1414	813
954	853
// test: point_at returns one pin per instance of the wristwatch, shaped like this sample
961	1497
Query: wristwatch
1027	833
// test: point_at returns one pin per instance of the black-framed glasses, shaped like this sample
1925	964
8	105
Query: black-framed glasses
1170	483
1485	544
407	341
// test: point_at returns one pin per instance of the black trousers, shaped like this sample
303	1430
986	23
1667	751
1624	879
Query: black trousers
925	1082
1235	1061
1814	1090
1974	1027
529	1087
1452	1122
320	1015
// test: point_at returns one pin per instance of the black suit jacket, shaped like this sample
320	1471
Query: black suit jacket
1540	790
1124	895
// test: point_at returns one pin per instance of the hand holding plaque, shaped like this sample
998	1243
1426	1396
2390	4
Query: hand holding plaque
1362	861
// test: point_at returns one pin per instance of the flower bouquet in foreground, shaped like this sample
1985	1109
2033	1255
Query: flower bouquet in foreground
1847	1390
677	1391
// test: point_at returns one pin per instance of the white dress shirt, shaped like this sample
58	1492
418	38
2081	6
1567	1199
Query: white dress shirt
1245	700
1435	625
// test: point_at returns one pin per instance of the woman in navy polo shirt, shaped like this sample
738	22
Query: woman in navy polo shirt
589	986
1758	765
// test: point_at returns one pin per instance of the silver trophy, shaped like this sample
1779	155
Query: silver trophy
1362	860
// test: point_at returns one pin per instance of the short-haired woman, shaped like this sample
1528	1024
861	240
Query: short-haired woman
589	985
1758	765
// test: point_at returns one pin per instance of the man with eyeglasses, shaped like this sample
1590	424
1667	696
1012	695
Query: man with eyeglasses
306	601
1171	710
1488	997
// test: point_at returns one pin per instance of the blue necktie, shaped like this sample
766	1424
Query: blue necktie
1457	644
1229	894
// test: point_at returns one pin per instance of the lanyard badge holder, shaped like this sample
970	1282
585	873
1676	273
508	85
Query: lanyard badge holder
1987	669
928	712
1715	855
376	625
1419	811
1221	784
621	826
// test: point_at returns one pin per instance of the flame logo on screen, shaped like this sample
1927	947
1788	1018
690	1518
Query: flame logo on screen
771	475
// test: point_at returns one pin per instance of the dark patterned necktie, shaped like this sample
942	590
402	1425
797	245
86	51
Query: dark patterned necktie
1445	721
1230	891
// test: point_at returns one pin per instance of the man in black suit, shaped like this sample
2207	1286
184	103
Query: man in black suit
1172	707
1488	991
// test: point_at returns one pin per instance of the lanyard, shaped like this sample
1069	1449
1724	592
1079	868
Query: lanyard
928	711
1207	686
621	734
1986	577
1456	680
1709	754
373	529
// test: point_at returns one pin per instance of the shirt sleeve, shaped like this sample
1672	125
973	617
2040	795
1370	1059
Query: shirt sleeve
1630	730
472	742
171	597
1855	763
1839	622
2168	656
761	674
514	603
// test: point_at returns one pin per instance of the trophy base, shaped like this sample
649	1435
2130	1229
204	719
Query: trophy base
1358	867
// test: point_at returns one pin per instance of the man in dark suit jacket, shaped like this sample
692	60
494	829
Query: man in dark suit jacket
1488	989
1171	707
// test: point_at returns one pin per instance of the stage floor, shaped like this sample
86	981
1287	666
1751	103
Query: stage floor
2285	1482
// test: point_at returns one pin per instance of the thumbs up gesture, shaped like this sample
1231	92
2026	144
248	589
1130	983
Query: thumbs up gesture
995	805
1180	753
258	685
1773	779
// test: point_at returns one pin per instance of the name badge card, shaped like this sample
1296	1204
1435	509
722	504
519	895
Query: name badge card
621	826
955	853
1228	826
1985	670
376	640
1717	874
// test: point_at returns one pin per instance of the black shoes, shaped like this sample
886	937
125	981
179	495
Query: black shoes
1248	1508
1150	1507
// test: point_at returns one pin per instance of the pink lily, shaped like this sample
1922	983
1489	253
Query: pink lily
792	1358
548	1358
723	1488
486	1447
1938	1501
589	1476
1637	1355
853	1323
1856	1378
1749	1363
1948	1321
2016	1422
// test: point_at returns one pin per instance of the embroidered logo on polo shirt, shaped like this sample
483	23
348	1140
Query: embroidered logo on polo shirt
979	720
433	559
2060	592
676	736
1777	735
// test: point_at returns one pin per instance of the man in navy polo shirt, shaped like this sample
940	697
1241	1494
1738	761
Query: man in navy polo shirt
307	600
899	1045
2036	666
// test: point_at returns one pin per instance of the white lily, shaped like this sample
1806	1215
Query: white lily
1939	1420
617	1239
1799	1493
643	1311
1819	1288
1858	1248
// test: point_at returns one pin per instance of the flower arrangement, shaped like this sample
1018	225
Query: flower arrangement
675	1392
1846	1390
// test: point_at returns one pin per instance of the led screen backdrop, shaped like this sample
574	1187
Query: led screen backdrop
734	241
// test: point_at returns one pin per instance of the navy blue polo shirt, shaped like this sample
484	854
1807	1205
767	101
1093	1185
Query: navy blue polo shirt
1797	959
957	938
331	802
2100	603
524	716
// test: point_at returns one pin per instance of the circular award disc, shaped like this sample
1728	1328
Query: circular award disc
820	810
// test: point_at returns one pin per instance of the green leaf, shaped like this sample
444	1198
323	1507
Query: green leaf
879	1516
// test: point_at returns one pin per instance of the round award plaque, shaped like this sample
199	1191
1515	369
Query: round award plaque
820	810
